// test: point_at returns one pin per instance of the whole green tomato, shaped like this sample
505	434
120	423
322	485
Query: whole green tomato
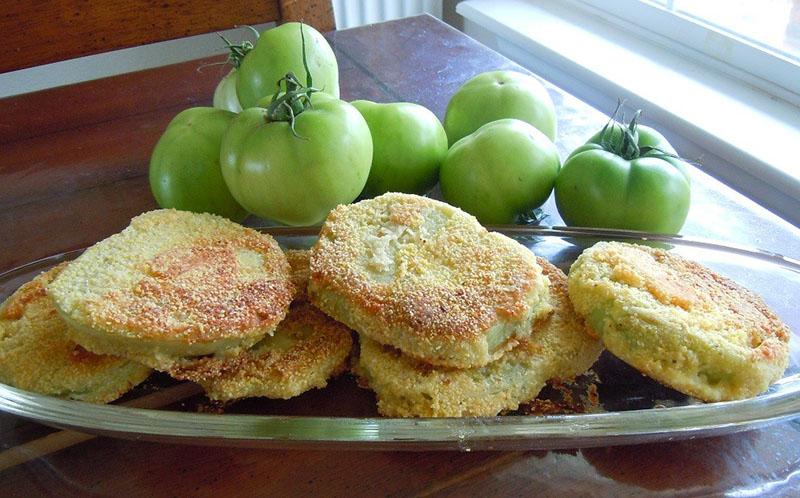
277	52
500	172
625	177
297	176
644	136
408	146
184	168
225	94
498	95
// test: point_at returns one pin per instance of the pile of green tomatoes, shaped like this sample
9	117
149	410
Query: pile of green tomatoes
279	143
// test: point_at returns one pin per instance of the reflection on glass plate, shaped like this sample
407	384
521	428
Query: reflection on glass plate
631	408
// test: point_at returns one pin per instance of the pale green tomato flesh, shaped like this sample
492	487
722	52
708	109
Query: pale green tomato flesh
503	170
279	51
409	145
225	94
292	180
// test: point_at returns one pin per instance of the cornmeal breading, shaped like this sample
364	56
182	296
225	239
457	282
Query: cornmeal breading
559	347
678	322
36	355
426	278
298	261
175	285
307	349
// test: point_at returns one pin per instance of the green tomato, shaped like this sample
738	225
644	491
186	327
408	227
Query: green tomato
650	192
225	94
498	95
184	168
500	172
644	136
297	180
408	146
279	51
648	137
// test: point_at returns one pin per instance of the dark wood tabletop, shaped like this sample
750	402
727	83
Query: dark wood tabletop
74	170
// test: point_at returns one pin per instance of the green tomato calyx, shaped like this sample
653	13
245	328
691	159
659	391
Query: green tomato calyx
237	52
292	97
534	216
622	139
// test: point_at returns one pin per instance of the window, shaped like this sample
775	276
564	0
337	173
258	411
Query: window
773	25
757	41
728	102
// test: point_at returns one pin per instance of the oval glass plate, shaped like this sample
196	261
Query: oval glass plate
632	409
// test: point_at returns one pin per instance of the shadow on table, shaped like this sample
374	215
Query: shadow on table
753	459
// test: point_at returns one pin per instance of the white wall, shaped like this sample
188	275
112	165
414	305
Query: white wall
352	13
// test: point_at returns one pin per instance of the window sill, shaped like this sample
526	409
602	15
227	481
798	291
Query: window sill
739	134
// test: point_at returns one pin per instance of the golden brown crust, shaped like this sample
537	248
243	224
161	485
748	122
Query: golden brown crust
36	355
559	347
306	350
679	322
427	278
201	284
174	280
299	263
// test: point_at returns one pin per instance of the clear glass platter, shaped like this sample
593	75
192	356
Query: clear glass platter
631	409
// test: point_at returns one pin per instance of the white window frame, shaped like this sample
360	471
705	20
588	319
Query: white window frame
734	129
738	57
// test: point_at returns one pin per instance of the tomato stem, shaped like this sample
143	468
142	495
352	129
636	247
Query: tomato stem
292	97
532	217
622	139
237	52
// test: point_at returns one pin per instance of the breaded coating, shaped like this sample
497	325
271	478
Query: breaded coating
559	348
678	322
426	278
299	261
36	355
175	285
307	349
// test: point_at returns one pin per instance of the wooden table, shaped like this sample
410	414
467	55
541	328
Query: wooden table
74	170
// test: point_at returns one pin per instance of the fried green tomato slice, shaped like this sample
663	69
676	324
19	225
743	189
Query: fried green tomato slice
678	322
307	349
37	355
298	262
426	278
559	348
174	286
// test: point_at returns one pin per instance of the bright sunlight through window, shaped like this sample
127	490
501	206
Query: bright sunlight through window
771	24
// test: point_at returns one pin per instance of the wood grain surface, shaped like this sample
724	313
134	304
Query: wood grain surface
317	13
41	32
74	170
48	31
